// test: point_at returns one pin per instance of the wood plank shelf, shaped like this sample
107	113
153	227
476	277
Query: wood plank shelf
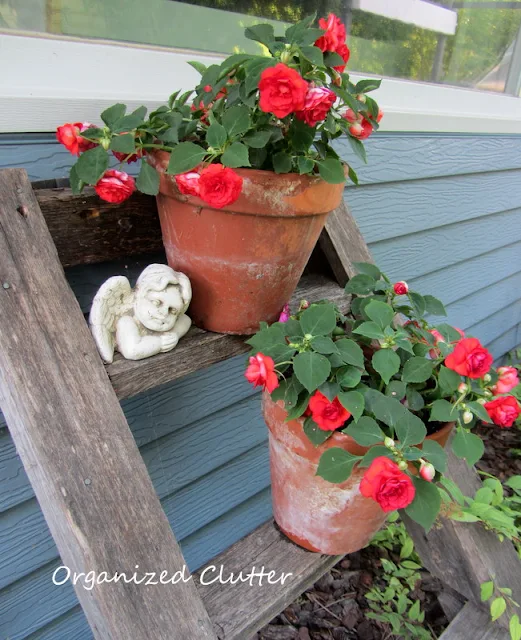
200	349
239	610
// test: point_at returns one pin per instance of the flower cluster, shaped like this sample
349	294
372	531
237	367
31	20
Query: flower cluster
279	111
391	386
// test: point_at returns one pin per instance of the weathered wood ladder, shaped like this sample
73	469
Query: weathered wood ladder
63	412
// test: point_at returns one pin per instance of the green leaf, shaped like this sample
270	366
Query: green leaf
443	411
148	179
386	362
323	345
434	306
435	454
487	590
198	66
301	135
185	157
114	113
366	432
418	302
449	333
350	352
448	381
75	182
410	429
257	139
370	330
349	377
375	452
262	33
288	391
364	86
216	135
299	408
417	369
479	411
515	627
361	284
414	611
387	410
330	390
236	120
313	54
468	445
236	155
282	162
318	320
254	69
396	389
353	401
415	400
358	148
312	369
368	269
412	453
336	465
514	482
426	504
125	143
332	59
498	606
305	165
331	170
379	312
92	165
316	435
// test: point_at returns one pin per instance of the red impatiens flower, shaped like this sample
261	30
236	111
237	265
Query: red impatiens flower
188	183
400	288
327	415
69	135
503	411
469	358
219	186
385	483
334	39
282	90
507	380
115	186
319	101
261	372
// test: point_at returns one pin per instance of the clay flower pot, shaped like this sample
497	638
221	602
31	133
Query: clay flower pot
245	260
334	519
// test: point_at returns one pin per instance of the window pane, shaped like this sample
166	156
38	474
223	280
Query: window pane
477	55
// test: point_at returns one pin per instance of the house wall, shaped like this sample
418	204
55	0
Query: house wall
440	211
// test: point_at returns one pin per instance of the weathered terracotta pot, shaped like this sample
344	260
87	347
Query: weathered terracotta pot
245	260
321	516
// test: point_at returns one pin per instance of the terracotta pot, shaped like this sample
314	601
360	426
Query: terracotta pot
321	516
245	260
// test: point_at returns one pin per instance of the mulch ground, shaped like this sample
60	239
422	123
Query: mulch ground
334	608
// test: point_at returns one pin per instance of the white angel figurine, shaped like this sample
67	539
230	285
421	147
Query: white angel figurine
140	323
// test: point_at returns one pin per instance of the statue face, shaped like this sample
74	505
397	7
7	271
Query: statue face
159	310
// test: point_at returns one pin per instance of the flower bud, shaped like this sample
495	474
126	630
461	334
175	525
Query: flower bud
487	378
427	471
463	388
481	401
400	288
361	98
105	143
389	443
402	465
304	304
356	129
487	393
467	417
286	56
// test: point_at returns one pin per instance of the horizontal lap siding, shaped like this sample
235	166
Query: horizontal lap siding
443	212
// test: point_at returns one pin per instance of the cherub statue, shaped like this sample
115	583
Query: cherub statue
140	323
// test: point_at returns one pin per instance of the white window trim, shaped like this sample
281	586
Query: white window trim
46	81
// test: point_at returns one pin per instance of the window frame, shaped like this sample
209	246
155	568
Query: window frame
48	80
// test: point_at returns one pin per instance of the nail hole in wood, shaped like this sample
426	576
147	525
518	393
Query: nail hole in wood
22	210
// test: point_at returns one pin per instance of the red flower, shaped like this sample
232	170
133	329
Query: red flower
334	39
503	411
132	158
385	483
285	313
328	415
188	183
507	380
469	358
427	471
69	135
361	130
351	116
261	372
115	186
400	288
219	186
319	101
282	90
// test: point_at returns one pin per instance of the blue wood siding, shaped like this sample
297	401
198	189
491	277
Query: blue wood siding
440	211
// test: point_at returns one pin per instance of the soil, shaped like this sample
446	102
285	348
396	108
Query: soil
335	607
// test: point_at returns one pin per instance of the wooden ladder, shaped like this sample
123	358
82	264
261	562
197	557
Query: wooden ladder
62	409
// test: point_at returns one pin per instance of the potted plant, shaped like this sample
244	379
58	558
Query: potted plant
246	174
359	410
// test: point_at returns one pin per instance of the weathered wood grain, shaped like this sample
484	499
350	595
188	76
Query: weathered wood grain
473	623
343	244
466	555
236	610
86	229
199	349
74	440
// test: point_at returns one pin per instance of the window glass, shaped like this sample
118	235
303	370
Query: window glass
478	54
